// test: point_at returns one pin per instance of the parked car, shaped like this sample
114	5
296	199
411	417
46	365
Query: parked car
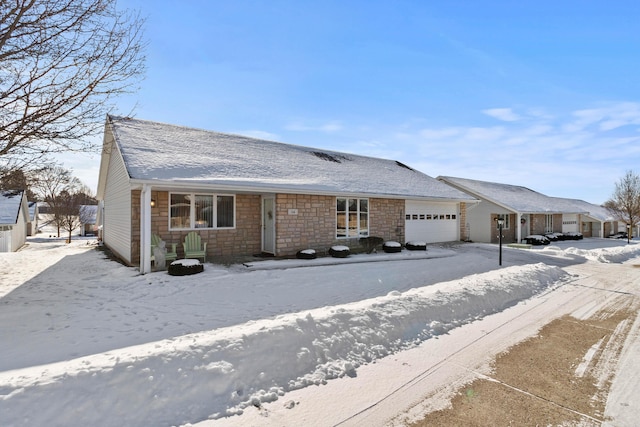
536	239
619	235
573	235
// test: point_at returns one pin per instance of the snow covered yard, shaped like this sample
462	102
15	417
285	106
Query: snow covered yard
88	341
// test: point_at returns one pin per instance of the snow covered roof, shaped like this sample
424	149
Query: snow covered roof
175	154
594	211
513	197
32	210
10	203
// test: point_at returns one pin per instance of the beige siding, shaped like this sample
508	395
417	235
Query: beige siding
117	209
19	232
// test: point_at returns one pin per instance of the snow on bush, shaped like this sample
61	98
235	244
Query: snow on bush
339	251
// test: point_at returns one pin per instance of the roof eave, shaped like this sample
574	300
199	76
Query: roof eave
168	185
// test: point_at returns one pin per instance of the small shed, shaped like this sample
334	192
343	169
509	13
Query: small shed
14	217
32	226
88	215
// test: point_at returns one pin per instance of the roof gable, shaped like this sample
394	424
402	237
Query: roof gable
11	202
174	154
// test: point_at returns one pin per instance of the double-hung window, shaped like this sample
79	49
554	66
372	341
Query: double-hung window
352	217
191	210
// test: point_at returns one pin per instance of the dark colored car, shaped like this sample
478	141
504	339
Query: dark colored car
537	239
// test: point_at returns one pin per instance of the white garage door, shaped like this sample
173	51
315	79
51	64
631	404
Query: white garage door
431	222
569	223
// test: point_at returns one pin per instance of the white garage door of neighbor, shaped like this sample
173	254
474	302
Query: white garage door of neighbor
431	222
569	223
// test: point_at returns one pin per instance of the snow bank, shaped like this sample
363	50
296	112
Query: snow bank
219	373
617	254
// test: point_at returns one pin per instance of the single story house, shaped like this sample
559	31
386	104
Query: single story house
14	217
523	210
247	196
32	226
596	222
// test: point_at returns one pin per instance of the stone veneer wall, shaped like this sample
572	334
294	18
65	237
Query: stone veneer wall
386	219
538	222
314	224
462	218
222	245
557	223
312	227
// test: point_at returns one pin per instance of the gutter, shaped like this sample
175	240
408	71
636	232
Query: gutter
139	184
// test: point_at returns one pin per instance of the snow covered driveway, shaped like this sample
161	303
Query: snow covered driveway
90	342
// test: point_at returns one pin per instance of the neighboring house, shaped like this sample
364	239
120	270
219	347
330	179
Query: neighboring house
524	211
595	222
44	208
88	215
14	217
246	196
32	226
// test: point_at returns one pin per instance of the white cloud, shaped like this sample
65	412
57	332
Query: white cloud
608	117
550	153
504	114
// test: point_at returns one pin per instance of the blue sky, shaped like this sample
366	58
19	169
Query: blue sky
543	94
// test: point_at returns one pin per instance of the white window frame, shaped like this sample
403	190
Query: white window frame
192	211
359	232
548	223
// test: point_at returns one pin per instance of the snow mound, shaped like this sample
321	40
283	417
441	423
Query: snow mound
221	372
607	255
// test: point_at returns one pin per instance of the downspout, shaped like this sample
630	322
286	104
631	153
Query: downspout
145	229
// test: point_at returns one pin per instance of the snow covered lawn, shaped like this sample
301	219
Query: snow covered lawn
87	341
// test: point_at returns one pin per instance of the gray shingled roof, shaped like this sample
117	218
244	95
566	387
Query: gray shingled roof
169	153
514	197
595	211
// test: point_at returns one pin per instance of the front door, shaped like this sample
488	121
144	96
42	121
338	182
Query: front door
268	225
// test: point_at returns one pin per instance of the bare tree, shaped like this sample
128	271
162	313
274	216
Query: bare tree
49	183
624	204
68	211
62	62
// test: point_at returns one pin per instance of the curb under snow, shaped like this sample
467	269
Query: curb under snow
220	372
